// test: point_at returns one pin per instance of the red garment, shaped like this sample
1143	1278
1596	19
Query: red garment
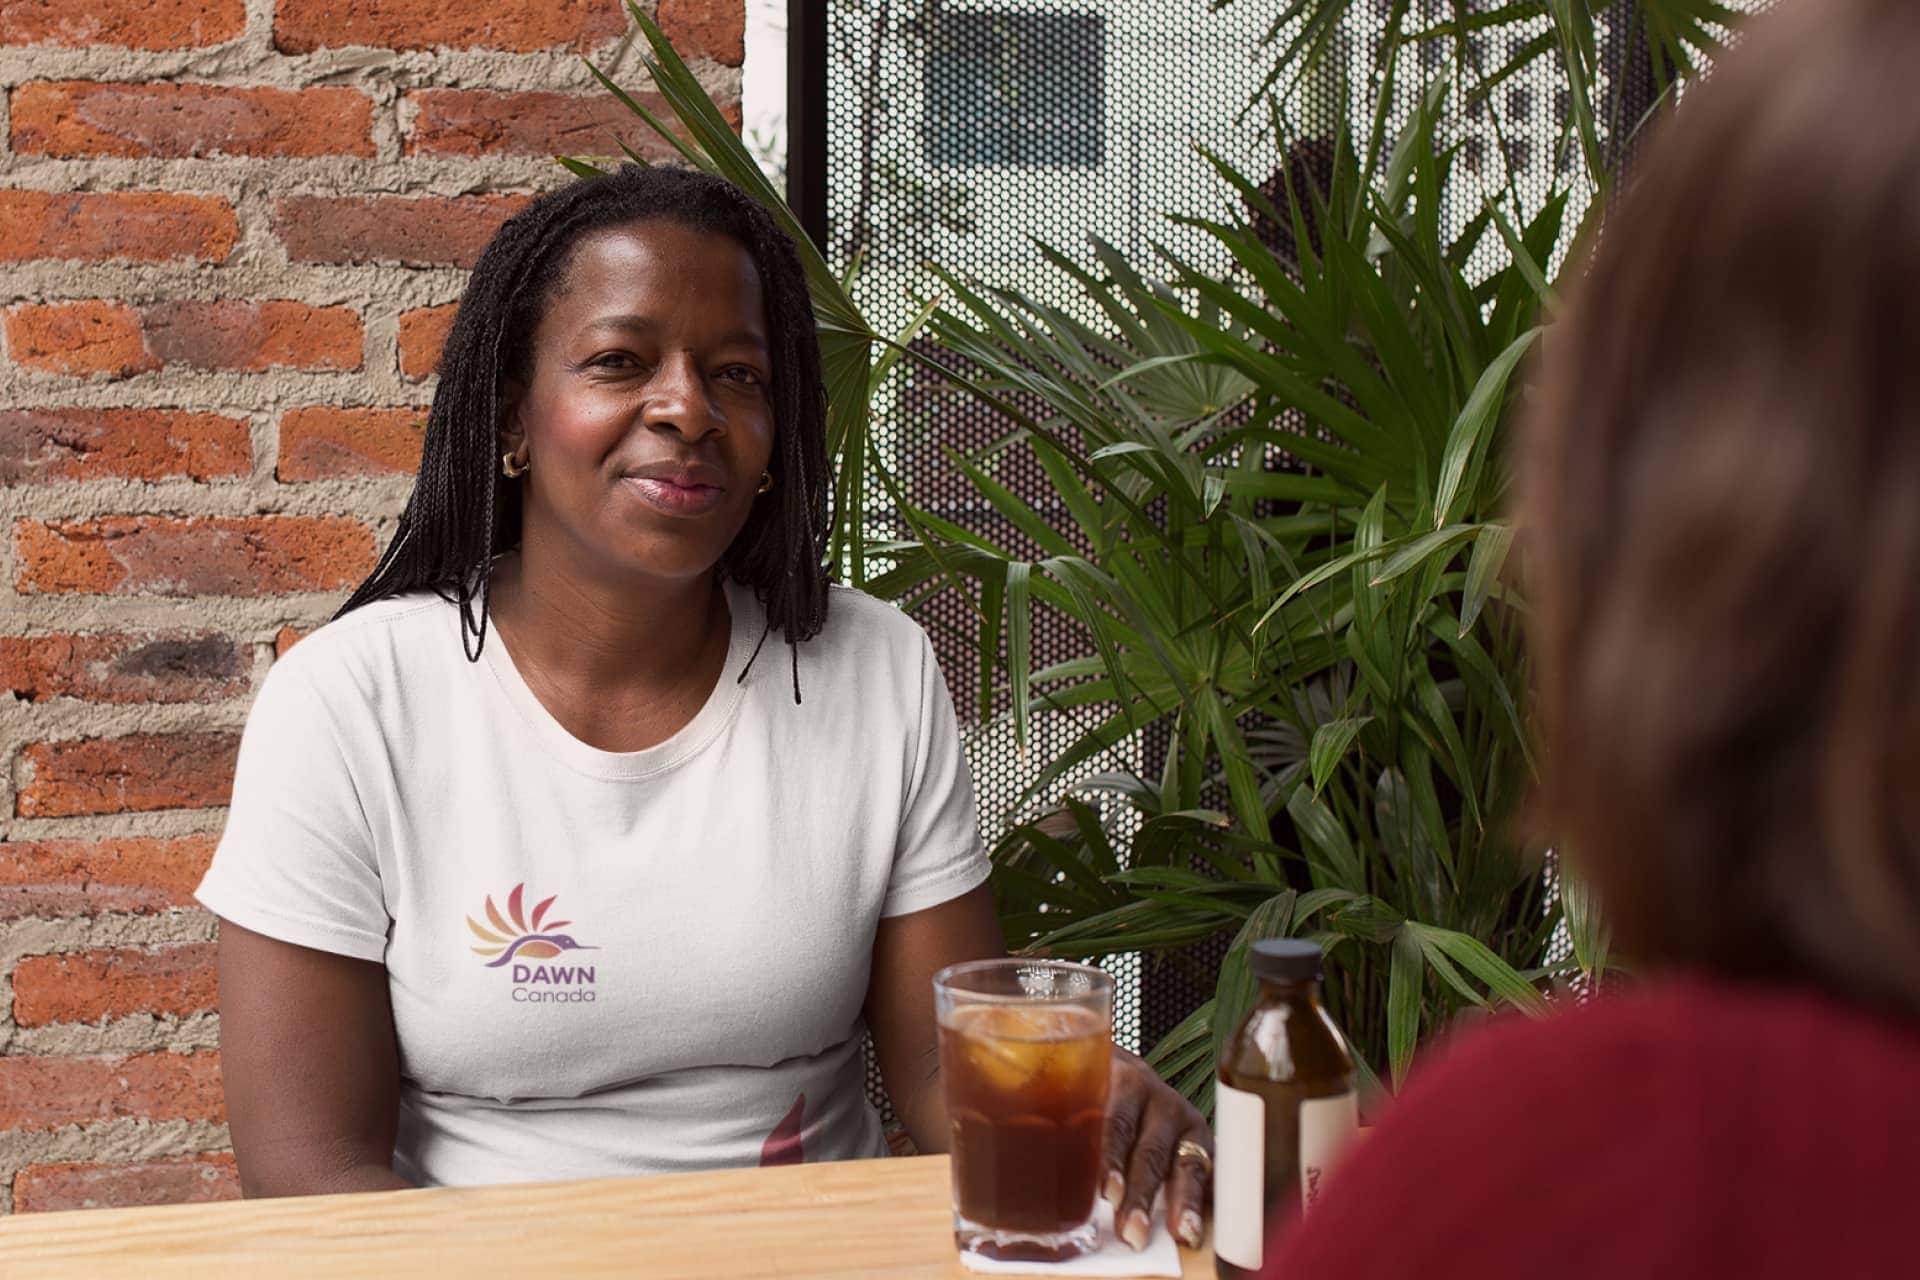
1684	1130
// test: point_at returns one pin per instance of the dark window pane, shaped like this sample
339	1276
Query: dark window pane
1016	89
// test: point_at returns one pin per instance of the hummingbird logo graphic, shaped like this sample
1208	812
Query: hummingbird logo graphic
515	936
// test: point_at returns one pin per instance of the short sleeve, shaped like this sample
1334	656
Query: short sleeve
938	854
296	861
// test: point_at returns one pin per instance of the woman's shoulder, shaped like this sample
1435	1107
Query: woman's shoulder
861	627
870	660
1640	1107
386	640
856	608
1705	1051
1669	1024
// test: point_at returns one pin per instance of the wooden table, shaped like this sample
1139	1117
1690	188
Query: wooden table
865	1218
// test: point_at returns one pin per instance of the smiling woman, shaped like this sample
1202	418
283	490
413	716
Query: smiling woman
625	475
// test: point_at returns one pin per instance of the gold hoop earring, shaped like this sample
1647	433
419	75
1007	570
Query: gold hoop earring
512	466
766	482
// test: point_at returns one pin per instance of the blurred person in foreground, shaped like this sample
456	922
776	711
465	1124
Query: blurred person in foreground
1723	520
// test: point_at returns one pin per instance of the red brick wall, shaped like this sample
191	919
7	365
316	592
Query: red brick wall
230	232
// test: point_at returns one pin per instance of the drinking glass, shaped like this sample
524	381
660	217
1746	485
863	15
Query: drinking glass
1025	1051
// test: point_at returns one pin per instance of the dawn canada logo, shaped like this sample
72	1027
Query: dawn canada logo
521	944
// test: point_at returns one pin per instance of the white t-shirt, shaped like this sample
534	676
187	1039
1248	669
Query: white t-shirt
605	963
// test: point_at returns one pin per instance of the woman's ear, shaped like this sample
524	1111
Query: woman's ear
512	434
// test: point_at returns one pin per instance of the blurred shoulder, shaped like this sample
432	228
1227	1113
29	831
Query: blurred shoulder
1642	1107
1669	1027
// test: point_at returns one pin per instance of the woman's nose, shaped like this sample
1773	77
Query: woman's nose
677	400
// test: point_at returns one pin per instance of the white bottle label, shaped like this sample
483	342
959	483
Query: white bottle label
1327	1126
1239	1176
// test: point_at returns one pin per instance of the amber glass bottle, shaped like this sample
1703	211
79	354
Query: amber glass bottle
1284	1105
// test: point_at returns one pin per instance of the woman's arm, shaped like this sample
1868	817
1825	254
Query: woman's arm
311	1069
907	951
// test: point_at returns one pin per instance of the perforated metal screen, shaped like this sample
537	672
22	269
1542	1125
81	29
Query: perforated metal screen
960	131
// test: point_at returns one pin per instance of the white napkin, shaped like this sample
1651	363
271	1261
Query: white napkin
1161	1257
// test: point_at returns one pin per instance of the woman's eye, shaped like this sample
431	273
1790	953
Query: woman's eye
741	373
613	360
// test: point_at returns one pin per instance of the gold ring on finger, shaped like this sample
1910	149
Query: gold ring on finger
1191	1150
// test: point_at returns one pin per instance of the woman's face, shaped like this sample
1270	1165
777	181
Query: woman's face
647	420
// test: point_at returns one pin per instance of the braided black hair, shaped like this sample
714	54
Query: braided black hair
460	515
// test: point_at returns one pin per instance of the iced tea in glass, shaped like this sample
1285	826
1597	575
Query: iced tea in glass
1025	1050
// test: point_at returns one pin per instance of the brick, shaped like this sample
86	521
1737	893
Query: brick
40	446
128	24
423	332
55	879
45	1188
91	985
78	338
142	226
137	773
212	556
285	638
324	444
115	667
480	122
424	232
520	26
177	121
714	29
46	1093
254	336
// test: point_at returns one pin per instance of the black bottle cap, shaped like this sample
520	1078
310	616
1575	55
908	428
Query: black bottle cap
1286	960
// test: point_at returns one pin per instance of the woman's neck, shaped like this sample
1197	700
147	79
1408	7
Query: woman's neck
594	630
588	639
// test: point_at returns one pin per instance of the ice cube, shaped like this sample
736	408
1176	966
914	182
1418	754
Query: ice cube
1006	1064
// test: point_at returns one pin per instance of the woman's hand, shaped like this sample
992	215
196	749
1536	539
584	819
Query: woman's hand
1148	1124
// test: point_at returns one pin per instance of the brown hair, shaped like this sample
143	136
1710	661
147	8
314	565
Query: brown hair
1723	520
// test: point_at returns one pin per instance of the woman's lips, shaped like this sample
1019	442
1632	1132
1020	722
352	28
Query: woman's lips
673	496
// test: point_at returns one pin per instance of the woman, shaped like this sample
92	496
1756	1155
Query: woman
1724	514
533	870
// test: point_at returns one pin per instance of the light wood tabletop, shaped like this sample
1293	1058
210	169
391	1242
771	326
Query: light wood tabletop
865	1218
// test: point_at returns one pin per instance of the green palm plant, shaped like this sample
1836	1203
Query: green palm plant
1273	525
1283	553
